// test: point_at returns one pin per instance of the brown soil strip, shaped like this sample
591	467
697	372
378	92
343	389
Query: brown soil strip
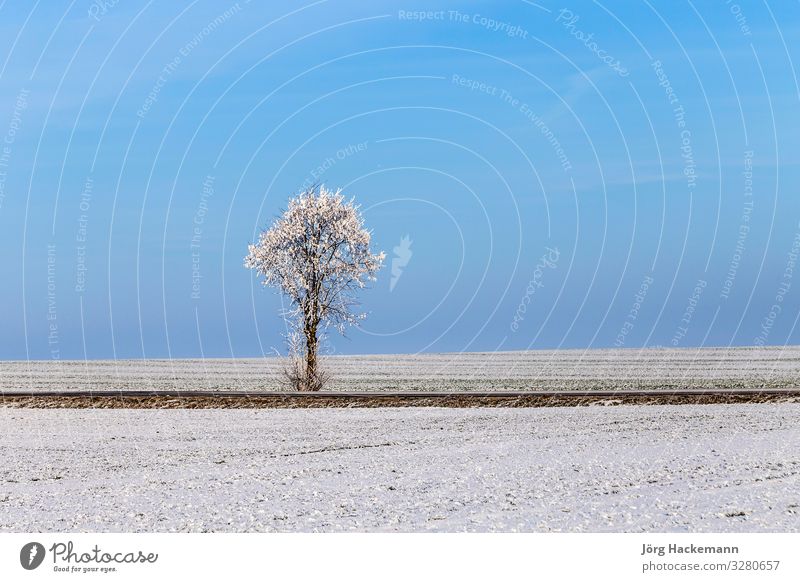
172	401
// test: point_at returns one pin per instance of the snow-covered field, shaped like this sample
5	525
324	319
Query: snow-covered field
564	369
653	468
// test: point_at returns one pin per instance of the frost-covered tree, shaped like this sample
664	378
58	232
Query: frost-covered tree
318	255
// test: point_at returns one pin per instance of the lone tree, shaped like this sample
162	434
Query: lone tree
317	253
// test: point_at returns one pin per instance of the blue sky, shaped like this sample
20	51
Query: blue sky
570	174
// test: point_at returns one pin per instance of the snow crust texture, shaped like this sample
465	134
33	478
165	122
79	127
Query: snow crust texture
774	367
718	468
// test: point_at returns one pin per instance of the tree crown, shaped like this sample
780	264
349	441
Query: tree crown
318	254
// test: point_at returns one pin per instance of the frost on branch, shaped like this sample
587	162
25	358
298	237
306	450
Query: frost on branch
317	254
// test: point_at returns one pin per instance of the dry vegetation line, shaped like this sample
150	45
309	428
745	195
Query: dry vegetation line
207	399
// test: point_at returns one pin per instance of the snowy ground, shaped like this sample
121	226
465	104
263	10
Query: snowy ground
775	367
629	468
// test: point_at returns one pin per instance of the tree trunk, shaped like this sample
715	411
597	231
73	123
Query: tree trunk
312	382
313	379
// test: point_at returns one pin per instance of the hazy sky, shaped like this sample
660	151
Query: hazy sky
576	174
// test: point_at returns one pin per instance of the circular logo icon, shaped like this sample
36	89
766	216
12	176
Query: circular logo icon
31	555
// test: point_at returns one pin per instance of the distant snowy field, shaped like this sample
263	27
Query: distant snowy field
564	369
721	468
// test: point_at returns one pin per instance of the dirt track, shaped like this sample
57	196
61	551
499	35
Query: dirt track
364	400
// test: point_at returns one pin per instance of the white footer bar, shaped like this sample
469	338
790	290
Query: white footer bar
372	557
